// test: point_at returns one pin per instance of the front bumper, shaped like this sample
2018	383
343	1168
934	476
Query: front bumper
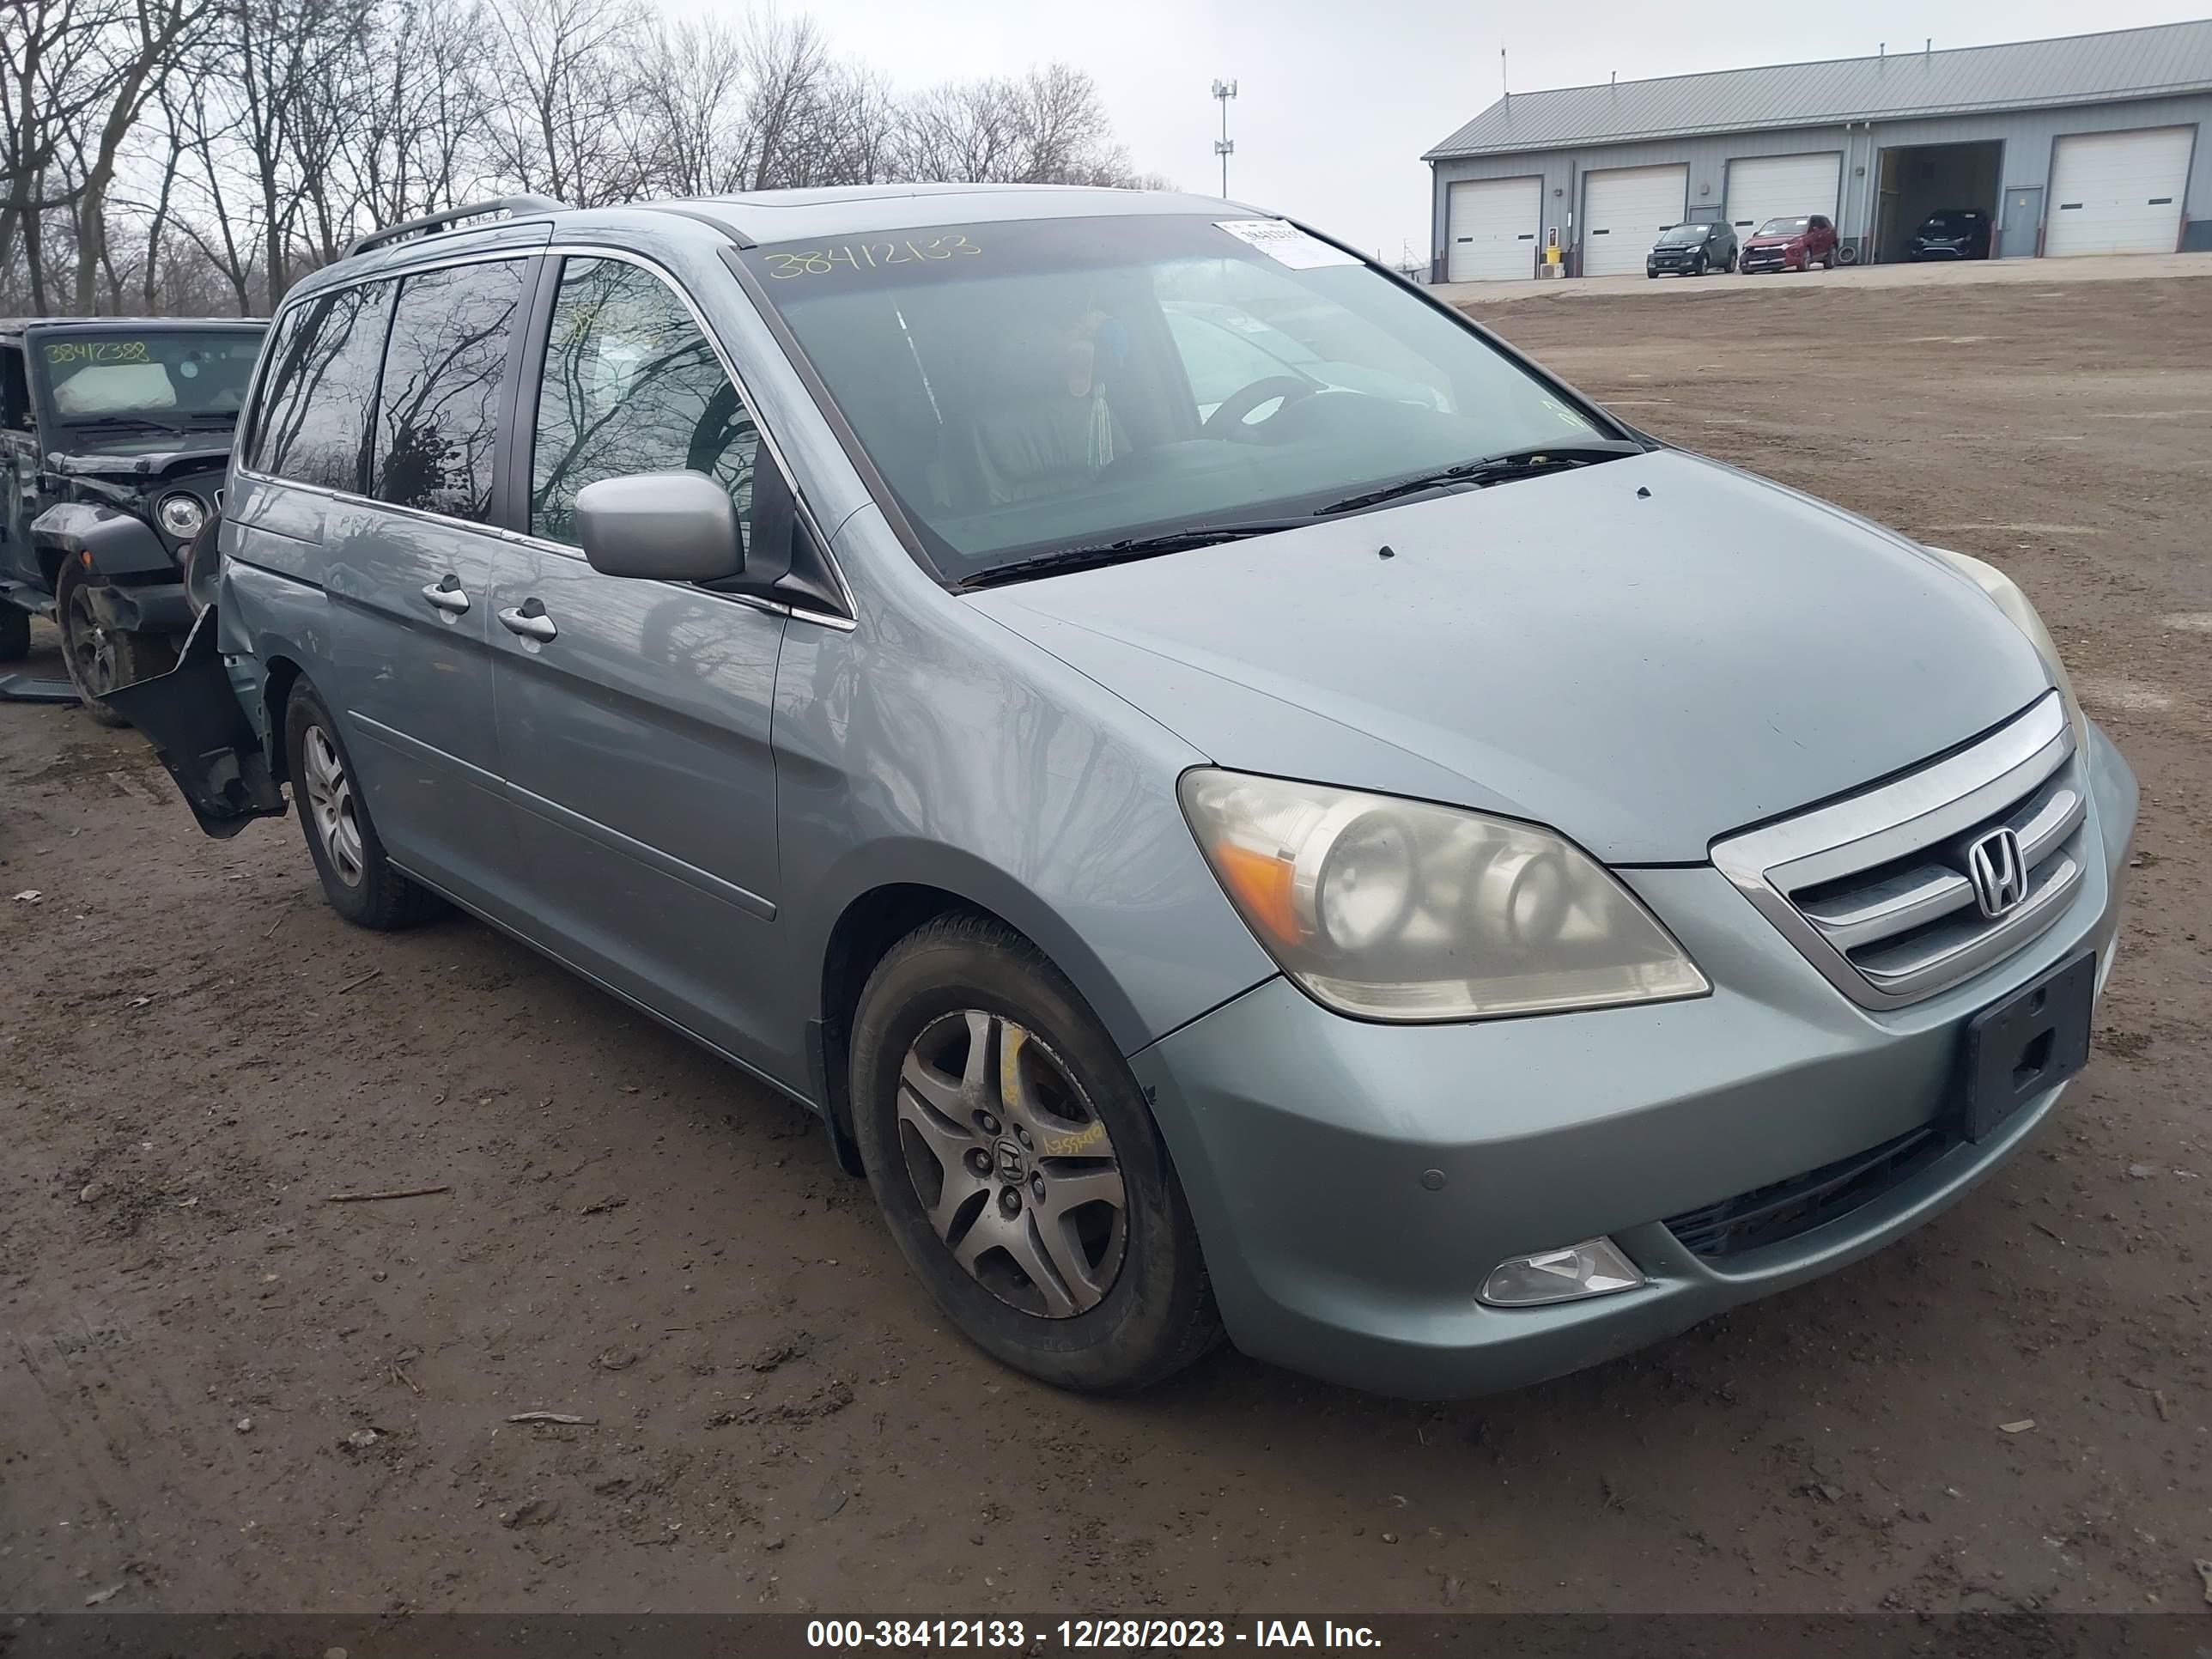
141	608
1766	259
1353	1183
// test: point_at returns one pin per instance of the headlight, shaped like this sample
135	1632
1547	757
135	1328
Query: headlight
2015	605
1399	911
180	514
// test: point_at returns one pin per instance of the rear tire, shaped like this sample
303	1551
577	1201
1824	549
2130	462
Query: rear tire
98	658
358	880
14	632
1071	1255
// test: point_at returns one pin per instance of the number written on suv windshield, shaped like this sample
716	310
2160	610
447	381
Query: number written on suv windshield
866	256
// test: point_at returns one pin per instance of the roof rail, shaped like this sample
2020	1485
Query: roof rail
436	221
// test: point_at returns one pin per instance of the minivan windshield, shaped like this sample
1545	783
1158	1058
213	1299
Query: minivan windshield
1029	387
188	378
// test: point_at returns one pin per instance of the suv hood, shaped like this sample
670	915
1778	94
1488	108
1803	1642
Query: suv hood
1645	654
1774	241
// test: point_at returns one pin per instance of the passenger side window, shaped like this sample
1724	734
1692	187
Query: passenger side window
630	385
438	411
312	426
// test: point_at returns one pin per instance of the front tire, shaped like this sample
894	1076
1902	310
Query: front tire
359	882
1018	1166
100	657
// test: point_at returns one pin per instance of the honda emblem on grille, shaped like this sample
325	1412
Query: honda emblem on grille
1999	874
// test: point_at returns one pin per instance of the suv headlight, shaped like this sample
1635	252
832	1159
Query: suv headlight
2015	604
1399	910
181	513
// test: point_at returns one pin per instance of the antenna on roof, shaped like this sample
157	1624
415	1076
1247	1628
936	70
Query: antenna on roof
1504	86
1882	50
1929	48
1616	77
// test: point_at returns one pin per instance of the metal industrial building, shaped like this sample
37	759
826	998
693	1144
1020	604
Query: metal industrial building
2086	144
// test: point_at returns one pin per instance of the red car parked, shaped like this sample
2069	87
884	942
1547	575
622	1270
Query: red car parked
1790	245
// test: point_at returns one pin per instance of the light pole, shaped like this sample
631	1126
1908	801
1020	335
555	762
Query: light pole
1225	146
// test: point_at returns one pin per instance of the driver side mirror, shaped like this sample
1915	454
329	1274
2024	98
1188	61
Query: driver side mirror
660	526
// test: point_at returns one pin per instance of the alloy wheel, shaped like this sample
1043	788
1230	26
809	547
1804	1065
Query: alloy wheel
1012	1165
91	650
331	804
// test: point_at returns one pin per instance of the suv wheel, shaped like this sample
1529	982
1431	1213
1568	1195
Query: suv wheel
14	632
358	880
1017	1163
100	657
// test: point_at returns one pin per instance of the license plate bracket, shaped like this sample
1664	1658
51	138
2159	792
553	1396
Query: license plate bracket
2031	1042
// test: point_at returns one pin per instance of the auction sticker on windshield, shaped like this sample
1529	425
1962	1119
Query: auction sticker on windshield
1285	243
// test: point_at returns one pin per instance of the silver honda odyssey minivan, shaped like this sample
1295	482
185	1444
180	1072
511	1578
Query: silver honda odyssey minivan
1246	806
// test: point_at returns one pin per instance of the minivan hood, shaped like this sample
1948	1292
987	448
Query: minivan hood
1645	654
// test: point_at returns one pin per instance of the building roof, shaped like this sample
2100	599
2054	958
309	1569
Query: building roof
2078	69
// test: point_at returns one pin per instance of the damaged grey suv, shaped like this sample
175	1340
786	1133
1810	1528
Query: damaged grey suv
1245	806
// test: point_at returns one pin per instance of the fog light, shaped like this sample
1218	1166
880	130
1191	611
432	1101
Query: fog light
1595	1268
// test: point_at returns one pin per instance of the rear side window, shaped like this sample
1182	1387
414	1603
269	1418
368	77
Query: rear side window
630	385
312	425
437	415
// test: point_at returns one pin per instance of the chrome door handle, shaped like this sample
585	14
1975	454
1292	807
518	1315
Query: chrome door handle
528	619
447	596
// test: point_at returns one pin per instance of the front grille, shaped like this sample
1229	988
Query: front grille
1773	1214
1875	889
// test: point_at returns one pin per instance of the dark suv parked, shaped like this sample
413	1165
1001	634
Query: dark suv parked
1692	251
1952	234
114	433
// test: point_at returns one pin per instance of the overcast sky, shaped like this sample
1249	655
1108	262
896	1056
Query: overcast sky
1338	98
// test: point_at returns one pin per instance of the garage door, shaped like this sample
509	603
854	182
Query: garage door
1763	187
1623	210
1491	229
2118	192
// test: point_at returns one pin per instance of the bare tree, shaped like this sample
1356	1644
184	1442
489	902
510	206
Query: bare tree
139	50
566	103
692	105
196	154
204	133
50	54
1045	127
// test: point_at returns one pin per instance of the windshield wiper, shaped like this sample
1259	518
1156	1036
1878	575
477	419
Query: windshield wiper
141	422
1494	469
1134	547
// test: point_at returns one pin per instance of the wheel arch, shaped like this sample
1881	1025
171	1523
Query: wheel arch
279	674
903	898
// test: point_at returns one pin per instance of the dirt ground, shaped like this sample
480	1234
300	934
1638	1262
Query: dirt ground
218	1390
